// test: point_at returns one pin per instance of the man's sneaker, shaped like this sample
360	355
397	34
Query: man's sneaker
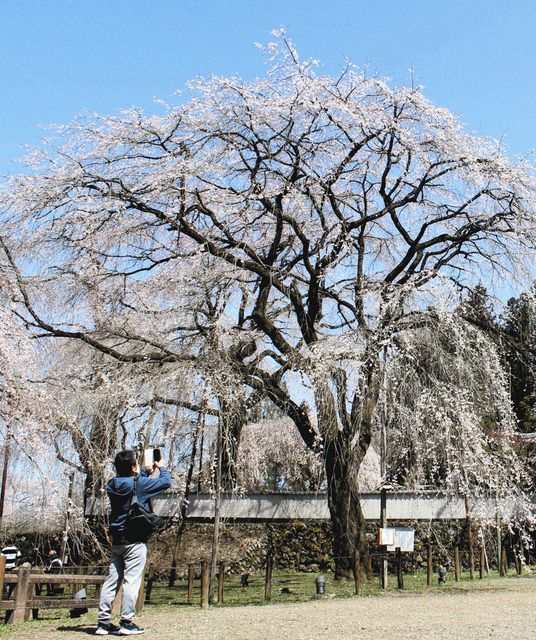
130	629
106	629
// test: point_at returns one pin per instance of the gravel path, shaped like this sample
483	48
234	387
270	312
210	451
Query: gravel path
492	611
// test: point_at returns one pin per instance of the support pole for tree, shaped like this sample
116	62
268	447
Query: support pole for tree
191	574
150	582
429	566
499	541
457	568
368	563
65	535
469	526
221	578
483	543
504	561
517	558
268	577
184	504
204	584
217	512
149	426
357	572
521	555
7	451
141	595
201	448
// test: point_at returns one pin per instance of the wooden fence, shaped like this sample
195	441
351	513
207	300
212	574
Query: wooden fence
23	601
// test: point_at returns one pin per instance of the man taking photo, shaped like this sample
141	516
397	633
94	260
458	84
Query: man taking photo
129	551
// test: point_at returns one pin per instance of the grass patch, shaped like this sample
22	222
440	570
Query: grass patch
300	587
286	587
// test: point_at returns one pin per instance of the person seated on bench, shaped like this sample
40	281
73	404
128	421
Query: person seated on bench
55	566
12	555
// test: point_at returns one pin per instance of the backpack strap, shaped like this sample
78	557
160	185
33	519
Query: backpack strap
134	498
134	495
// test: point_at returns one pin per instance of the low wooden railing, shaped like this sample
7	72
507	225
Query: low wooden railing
23	601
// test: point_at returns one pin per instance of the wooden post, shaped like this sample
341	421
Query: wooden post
2	573
6	461
141	595
521	555
429	566
116	606
504	561
65	535
357	572
20	595
268	578
399	573
471	562
383	549
221	577
76	587
217	513
482	564
191	573
498	532
204	584
184	503
368	563
469	531
517	560
457	567
149	585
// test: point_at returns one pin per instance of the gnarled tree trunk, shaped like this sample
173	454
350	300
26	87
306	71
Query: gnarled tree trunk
344	505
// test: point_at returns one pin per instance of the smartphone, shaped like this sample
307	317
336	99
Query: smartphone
150	456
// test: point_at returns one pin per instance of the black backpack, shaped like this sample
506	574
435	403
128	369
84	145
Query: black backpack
140	522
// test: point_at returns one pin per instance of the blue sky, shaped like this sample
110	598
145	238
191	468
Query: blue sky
59	57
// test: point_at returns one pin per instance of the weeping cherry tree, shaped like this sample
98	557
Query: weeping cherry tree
343	209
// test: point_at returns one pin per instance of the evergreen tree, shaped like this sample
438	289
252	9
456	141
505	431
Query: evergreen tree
478	309
519	329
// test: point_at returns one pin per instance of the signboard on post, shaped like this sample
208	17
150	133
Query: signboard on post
403	539
386	536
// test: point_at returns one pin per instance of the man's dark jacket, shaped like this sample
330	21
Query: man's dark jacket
119	491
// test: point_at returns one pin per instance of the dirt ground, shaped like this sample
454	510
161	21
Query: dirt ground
487	611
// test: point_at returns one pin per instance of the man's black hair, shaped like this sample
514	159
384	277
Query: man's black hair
124	461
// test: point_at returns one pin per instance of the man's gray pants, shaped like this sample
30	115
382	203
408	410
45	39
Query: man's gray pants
126	564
